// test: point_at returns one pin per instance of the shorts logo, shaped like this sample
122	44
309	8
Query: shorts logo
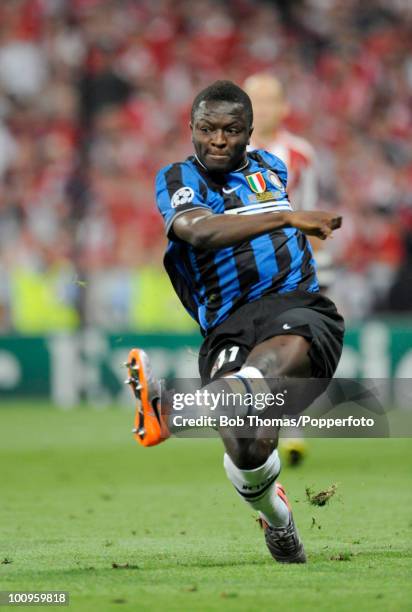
256	182
184	195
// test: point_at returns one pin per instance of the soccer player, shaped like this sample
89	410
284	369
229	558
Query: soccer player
241	264
270	109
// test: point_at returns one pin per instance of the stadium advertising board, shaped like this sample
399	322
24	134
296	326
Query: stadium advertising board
69	369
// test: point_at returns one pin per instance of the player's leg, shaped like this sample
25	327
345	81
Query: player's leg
253	464
256	485
276	360
154	417
154	420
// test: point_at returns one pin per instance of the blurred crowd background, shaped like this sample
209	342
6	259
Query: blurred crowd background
95	98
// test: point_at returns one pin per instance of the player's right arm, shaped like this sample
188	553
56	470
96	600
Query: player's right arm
187	208
205	230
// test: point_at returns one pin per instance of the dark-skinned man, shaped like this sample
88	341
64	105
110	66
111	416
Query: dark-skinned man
241	264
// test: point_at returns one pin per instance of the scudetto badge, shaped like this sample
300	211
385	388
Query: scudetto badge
256	182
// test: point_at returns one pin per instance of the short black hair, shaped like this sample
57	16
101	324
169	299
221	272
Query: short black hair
224	91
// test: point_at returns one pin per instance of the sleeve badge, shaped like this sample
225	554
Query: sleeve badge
184	195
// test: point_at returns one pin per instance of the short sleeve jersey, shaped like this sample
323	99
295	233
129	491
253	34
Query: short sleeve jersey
211	284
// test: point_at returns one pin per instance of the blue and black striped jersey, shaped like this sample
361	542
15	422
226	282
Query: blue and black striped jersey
211	284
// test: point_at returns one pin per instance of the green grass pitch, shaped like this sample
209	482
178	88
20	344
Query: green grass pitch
77	495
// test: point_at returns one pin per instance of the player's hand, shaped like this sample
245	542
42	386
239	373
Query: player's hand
315	223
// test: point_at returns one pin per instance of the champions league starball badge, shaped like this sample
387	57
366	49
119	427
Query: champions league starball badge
184	195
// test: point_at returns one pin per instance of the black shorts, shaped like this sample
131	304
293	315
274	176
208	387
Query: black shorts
300	313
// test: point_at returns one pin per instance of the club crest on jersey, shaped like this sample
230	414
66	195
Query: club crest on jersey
184	195
256	182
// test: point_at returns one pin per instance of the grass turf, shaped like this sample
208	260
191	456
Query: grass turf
78	495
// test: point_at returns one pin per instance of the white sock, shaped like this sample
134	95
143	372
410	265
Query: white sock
252	379
247	372
257	487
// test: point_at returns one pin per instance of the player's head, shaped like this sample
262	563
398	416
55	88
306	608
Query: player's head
221	124
269	103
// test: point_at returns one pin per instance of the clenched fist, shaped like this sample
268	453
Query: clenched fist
314	223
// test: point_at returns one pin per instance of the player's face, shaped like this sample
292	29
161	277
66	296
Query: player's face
220	134
268	112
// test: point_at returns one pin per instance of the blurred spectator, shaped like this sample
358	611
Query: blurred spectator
95	97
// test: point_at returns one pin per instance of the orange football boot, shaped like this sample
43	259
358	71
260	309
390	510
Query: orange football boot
150	427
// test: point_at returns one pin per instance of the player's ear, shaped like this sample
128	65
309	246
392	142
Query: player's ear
250	134
191	128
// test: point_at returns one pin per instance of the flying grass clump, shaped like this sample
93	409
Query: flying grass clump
321	498
343	556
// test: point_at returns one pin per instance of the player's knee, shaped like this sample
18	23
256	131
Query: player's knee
248	454
269	364
289	357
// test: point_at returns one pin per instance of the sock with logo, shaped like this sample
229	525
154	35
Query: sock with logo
257	487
